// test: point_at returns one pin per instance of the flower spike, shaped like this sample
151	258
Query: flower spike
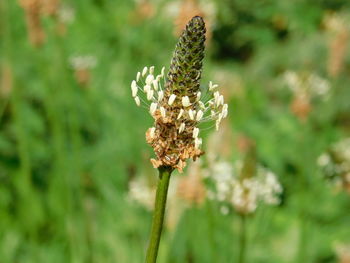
176	102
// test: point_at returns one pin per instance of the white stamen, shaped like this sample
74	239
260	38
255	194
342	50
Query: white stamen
195	132
162	112
151	70
212	113
134	88
182	127
146	88
216	102
150	94
153	107
163	71
199	115
144	71
149	79
201	105
155	84
198	76
217	123
215	86
211	86
180	114
138	75
160	95
152	132
137	100
220	101
197	142
224	111
220	117
186	101
216	95
199	95
171	99
191	113
217	98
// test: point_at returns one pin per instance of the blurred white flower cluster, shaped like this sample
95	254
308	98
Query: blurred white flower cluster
83	62
66	14
307	84
336	22
82	66
305	87
336	163
141	192
243	193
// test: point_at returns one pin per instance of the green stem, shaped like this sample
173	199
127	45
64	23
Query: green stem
211	225
158	216
242	239
303	238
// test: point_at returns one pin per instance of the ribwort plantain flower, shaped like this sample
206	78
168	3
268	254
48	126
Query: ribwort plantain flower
178	108
177	103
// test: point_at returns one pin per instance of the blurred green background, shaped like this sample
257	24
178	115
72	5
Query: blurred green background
72	139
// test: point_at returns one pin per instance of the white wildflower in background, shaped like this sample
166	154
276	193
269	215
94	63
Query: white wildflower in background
82	66
335	163
293	81
343	149
83	62
336	22
305	87
141	192
307	84
66	14
244	193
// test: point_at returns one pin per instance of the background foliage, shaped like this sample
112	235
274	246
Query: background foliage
71	138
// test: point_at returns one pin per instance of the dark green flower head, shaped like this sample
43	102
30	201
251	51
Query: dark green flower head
186	64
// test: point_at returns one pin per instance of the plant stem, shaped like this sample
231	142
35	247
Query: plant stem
158	215
304	227
242	239
302	240
211	226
